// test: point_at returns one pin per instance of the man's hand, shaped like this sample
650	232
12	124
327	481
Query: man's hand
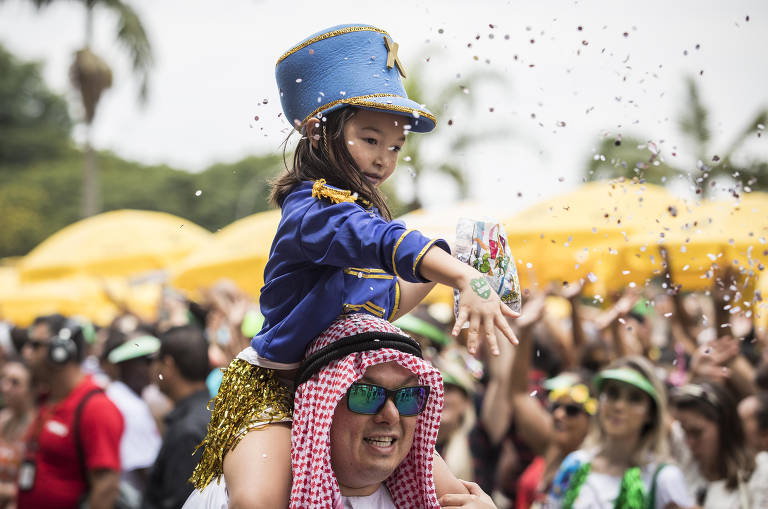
477	498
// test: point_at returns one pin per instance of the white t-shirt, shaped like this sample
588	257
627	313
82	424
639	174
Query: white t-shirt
380	499
215	496
754	492
600	490
141	440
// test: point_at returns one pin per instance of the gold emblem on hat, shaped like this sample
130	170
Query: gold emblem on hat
392	58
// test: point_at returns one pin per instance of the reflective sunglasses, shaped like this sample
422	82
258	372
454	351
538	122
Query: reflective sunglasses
571	409
369	399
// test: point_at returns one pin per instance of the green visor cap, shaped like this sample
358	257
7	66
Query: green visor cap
628	376
560	381
421	327
134	348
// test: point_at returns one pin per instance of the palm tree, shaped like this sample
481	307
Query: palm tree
448	99
632	158
91	76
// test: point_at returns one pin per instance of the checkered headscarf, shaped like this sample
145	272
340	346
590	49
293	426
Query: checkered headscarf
314	483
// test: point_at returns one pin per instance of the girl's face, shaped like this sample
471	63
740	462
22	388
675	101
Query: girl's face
624	410
374	140
571	423
700	436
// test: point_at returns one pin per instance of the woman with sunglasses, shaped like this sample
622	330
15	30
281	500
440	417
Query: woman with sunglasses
552	432
724	472
15	418
622	464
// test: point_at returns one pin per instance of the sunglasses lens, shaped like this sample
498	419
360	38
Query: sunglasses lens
572	410
411	400
365	399
369	399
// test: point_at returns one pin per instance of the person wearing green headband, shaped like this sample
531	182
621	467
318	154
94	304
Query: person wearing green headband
623	461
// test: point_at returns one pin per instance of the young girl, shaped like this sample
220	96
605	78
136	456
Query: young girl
335	252
623	464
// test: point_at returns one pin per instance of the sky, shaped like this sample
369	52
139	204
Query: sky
570	73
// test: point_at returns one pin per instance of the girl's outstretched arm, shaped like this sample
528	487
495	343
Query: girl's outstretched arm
478	303
411	294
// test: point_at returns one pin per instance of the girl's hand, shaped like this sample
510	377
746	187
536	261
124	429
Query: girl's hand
482	308
477	498
478	303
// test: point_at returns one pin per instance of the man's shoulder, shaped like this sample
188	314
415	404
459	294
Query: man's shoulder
97	401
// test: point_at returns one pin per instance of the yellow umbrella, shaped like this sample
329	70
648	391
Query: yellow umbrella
80	295
705	236
728	233
117	243
238	252
579	235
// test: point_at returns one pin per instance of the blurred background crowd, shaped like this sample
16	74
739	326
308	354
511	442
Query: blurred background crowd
508	421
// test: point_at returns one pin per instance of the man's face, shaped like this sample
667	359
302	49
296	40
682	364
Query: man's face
366	449
35	352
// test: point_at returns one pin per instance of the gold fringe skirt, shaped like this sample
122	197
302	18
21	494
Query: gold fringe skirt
249	397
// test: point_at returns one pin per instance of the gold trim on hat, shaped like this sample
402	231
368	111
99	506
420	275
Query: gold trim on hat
362	100
326	35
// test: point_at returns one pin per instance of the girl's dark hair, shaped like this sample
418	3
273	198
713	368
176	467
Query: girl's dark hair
716	404
331	161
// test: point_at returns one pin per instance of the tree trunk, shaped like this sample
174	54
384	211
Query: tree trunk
91	199
91	202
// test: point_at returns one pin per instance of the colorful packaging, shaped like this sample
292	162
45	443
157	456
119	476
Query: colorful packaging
483	245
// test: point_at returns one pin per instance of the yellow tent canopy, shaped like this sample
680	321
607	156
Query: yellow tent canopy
117	243
577	235
85	296
238	252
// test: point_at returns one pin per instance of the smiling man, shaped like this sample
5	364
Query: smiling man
366	415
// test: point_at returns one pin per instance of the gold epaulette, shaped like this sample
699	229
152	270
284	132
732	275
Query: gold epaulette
320	189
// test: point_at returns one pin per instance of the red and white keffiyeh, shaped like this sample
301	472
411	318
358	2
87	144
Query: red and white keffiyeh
314	483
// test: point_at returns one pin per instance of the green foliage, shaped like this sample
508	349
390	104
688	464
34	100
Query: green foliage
45	197
632	158
446	100
629	158
34	122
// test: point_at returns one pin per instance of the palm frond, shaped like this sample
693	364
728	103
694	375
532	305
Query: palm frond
133	37
693	120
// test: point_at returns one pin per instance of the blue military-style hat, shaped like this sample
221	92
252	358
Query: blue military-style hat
346	65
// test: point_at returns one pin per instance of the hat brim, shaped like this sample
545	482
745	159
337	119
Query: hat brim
418	117
627	376
143	346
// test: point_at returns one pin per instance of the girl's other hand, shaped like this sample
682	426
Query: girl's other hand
482	308
477	498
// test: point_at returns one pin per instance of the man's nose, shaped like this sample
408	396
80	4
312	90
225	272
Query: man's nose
388	413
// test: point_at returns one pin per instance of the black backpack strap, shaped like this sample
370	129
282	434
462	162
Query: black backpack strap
652	495
76	432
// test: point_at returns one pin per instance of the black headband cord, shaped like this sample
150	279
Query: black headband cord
351	344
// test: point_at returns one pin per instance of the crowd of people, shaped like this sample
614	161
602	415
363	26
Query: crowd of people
652	397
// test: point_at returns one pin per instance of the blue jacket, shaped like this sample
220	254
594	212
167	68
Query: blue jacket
329	259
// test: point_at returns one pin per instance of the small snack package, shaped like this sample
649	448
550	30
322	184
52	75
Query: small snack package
483	245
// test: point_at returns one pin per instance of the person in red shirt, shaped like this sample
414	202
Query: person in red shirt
62	465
